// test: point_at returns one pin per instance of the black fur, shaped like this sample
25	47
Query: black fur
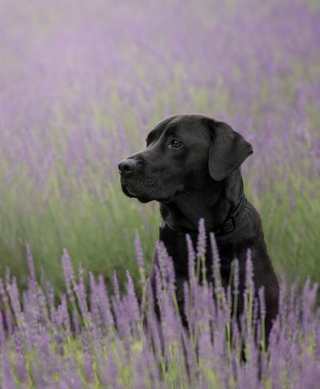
201	178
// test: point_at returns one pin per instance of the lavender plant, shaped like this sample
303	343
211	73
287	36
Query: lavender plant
108	344
82	83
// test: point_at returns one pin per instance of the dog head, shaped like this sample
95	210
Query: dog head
183	152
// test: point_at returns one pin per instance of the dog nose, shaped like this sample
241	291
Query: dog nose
127	166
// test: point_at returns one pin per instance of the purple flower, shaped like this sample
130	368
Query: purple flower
138	248
69	276
116	286
88	361
133	305
191	257
105	305
163	262
112	370
94	302
59	146
81	292
20	361
262	302
32	279
202	239
75	322
65	314
236	276
249	274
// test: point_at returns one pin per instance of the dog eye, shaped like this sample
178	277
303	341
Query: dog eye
175	143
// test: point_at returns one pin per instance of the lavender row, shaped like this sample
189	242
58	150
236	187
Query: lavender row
82	85
93	340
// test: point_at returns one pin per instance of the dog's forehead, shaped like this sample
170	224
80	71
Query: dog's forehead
181	125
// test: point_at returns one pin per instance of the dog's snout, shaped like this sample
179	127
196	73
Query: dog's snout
127	166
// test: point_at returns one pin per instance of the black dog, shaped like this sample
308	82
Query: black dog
191	166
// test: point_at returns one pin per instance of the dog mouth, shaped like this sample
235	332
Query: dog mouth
142	192
132	192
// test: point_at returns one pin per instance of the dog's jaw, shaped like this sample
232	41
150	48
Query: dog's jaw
142	197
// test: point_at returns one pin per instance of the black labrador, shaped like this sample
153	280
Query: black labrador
192	167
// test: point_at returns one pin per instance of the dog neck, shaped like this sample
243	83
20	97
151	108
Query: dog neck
213	204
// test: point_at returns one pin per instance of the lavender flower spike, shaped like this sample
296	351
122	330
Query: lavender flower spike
139	257
138	248
202	242
191	257
32	281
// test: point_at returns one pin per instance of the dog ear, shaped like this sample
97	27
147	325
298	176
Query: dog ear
228	150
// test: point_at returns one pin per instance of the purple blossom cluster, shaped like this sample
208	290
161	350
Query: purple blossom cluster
76	79
81	84
94	340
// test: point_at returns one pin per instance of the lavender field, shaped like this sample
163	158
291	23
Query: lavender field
81	85
119	343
